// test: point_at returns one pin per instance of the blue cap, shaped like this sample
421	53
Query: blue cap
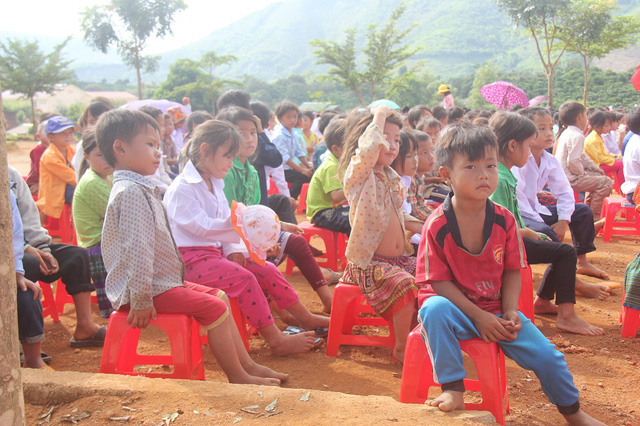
58	124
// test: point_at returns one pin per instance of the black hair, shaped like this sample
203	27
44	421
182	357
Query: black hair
334	133
439	112
89	143
150	110
534	111
197	117
455	115
568	114
428	123
325	118
263	112
598	119
408	144
234	97
633	120
120	124
97	107
509	126
309	114
415	115
235	114
285	106
466	139
214	134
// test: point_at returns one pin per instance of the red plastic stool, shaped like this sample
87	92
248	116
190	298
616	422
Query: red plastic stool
240	319
348	303
417	375
273	189
334	247
63	227
63	298
525	304
630	321
302	199
120	352
49	307
610	208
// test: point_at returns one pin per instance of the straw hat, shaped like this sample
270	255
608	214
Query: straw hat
443	89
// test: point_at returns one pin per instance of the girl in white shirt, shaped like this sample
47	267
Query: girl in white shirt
213	252
542	169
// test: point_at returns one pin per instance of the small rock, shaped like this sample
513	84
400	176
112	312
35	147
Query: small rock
601	384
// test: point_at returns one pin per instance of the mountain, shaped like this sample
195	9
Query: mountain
452	36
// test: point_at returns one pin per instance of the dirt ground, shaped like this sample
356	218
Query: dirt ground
605	368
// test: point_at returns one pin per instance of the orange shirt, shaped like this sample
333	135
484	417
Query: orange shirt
55	174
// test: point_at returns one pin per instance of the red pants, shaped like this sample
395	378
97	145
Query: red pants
617	169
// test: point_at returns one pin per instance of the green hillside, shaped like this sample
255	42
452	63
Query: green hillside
453	35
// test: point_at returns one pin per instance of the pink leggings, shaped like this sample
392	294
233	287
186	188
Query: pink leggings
298	250
209	267
617	169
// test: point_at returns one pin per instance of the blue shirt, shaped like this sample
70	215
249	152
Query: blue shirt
289	147
18	236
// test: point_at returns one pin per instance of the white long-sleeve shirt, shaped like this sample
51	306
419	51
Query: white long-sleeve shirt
532	179
631	165
199	217
570	153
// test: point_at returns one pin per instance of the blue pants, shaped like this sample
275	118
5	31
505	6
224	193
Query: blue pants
443	324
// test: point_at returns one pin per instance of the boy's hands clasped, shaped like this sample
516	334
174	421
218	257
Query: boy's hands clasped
493	328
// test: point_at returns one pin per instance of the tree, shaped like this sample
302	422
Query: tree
128	25
25	69
546	21
209	62
12	401
605	34
385	54
487	73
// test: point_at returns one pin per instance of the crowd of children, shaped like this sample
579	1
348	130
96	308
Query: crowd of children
442	208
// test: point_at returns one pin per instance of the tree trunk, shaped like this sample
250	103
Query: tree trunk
11	402
33	118
139	75
550	87
586	82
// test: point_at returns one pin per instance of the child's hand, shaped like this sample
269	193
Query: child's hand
48	263
382	110
516	322
307	172
24	284
237	258
140	318
493	329
560	228
290	227
528	233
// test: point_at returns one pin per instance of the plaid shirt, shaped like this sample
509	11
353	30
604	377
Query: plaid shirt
419	208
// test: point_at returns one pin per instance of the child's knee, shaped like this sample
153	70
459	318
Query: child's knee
436	308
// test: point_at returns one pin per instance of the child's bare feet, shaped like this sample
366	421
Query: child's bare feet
293	344
398	354
569	321
255	369
598	225
449	400
248	379
587	268
581	419
542	306
313	321
594	291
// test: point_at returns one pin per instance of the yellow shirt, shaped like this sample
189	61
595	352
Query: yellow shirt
594	148
55	174
312	140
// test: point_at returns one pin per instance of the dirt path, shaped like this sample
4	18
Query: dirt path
605	368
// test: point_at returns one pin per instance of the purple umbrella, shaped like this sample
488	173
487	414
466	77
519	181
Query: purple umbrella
161	104
503	95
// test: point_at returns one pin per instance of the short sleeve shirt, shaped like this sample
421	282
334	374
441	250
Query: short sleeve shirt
443	257
324	181
90	201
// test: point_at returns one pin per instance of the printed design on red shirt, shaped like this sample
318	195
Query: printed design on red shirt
498	253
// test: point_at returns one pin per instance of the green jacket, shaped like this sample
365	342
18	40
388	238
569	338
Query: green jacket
506	195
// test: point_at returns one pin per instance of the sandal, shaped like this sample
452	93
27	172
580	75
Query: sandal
95	340
334	277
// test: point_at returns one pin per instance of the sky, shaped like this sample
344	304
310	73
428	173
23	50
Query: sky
199	19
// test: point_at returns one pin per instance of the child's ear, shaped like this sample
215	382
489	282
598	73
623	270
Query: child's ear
513	144
203	151
118	147
444	172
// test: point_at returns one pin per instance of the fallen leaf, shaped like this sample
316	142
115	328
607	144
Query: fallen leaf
251	407
173	417
196	412
236	420
271	406
305	397
275	413
124	407
48	413
249	411
260	394
120	419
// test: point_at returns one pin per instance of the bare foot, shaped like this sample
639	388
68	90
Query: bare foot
293	344
582	419
587	268
315	321
284	315
575	324
398	355
254	380
542	306
598	225
448	401
594	291
326	296
258	370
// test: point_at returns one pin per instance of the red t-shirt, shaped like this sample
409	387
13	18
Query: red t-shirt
442	256
34	173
